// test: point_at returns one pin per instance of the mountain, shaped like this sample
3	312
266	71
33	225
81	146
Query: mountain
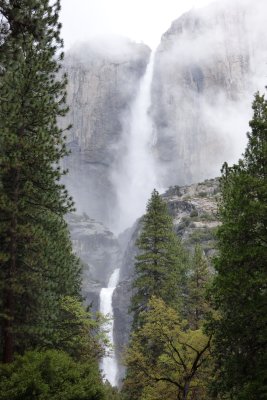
207	68
103	80
205	71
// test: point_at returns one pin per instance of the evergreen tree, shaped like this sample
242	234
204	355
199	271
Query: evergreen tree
50	375
160	271
197	305
240	286
37	266
161	265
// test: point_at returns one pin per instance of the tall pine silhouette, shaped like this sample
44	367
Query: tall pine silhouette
37	266
240	285
161	265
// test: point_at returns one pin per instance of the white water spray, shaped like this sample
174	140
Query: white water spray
109	363
135	177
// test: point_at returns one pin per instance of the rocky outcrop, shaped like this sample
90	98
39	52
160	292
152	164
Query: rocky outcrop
194	212
102	81
99	252
207	68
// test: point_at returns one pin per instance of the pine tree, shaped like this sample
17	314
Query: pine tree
197	305
37	266
50	375
160	271
240	286
160	267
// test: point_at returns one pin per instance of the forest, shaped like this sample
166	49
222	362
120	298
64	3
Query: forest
199	325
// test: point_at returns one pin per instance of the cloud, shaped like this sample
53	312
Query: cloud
206	70
209	65
142	21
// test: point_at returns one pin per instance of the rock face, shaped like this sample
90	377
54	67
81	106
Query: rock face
103	80
122	296
194	212
99	251
207	68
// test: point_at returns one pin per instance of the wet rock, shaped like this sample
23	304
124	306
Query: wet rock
99	252
102	83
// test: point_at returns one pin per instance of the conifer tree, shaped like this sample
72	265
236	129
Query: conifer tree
37	266
197	305
160	271
240	287
160	267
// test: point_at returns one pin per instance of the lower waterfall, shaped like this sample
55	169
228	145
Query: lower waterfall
109	363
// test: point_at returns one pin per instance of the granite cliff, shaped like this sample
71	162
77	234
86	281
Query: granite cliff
207	68
103	80
99	251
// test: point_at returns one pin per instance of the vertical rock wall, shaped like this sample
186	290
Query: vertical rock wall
207	68
102	84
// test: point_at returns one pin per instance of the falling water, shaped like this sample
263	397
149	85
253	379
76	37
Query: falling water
135	177
109	363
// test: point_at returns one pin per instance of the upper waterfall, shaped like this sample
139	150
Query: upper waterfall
135	175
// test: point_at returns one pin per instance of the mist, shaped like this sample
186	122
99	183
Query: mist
173	120
209	65
134	175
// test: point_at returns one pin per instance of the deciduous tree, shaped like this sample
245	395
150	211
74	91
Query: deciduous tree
182	369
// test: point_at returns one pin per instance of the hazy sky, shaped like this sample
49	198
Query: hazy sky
140	20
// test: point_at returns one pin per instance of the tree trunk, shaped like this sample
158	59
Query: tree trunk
186	390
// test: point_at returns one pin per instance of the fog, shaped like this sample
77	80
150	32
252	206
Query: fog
141	21
134	175
209	66
186	116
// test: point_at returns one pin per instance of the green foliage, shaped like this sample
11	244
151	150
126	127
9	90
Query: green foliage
239	289
202	194
78	332
201	235
197	305
182	369
161	265
112	393
36	259
50	375
208	217
193	213
168	355
40	277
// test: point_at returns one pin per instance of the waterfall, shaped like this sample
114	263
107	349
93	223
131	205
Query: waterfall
109	363
135	175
